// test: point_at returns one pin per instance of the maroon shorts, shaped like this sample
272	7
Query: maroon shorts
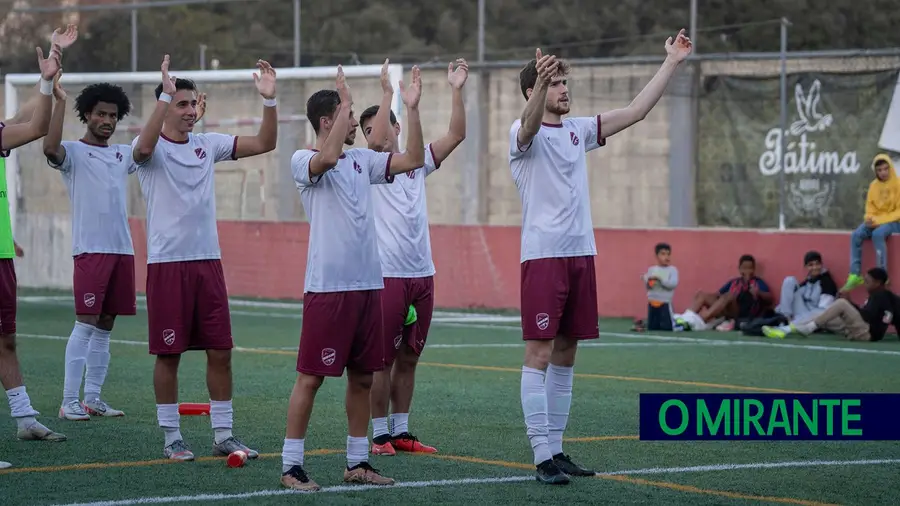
341	330
187	307
104	284
8	286
398	295
559	298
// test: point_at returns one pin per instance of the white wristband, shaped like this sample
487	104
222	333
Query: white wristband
46	87
269	102
165	97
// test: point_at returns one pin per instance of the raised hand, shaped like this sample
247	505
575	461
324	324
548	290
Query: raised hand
386	86
412	93
342	88
66	38
547	67
457	78
265	80
201	106
49	66
680	48
168	83
58	90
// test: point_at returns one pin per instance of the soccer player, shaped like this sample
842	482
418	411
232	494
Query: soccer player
96	175
342	326
13	135
187	301
404	244
558	291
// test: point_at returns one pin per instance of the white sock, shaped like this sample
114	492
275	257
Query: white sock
221	415
76	354
357	451
97	364
559	399
534	406
291	454
168	418
399	423
20	405
379	427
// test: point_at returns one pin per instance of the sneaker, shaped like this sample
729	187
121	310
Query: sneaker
726	326
297	479
5	465
178	451
365	474
73	411
565	464
773	332
383	449
37	432
549	473
853	281
97	407
406	442
232	445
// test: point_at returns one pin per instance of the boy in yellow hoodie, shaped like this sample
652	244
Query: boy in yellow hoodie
881	220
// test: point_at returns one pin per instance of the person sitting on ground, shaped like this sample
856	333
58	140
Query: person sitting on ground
660	280
741	299
867	323
882	219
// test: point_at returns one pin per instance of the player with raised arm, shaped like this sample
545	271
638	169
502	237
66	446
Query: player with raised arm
559	292
342	326
96	175
187	300
13	136
404	245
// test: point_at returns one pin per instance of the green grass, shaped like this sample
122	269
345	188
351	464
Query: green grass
466	412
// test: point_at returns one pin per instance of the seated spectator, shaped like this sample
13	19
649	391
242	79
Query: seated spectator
882	219
867	323
741	299
660	280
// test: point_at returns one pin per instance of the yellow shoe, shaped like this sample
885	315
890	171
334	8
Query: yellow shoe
773	332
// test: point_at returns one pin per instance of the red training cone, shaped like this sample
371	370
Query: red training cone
193	408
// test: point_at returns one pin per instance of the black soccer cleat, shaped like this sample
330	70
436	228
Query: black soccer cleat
565	464
547	472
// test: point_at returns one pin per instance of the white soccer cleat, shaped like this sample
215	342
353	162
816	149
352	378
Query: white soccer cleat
97	407
5	465
73	411
37	432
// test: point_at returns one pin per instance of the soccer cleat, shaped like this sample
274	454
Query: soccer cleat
97	407
383	449
365	474
37	432
549	473
178	451
5	465
853	281
773	332
73	411
232	445
565	464
406	442
297	479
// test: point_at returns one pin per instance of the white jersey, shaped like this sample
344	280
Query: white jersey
551	175
401	223
97	180
343	251
179	188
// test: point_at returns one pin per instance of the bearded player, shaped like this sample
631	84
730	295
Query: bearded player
558	291
187	300
23	129
404	245
96	176
342	320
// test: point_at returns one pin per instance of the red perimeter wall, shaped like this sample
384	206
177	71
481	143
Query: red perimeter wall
478	267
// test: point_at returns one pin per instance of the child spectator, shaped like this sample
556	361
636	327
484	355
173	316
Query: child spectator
804	301
660	281
881	220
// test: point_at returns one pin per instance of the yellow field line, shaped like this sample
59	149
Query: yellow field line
592	439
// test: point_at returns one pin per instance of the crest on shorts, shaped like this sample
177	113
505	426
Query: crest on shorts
169	337
328	356
542	320
398	341
89	299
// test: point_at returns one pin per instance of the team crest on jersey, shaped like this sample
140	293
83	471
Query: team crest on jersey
201	153
119	156
328	356
542	320
168	337
89	299
357	167
574	138
412	174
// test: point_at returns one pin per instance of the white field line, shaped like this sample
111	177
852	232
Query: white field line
483	321
479	481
